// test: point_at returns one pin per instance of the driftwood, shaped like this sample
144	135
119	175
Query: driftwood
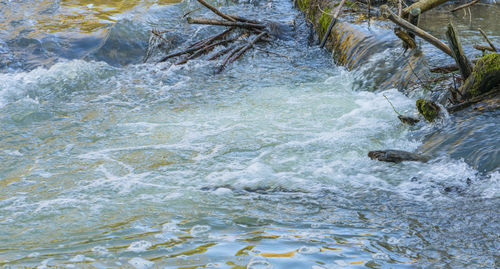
249	27
458	53
387	13
465	6
332	24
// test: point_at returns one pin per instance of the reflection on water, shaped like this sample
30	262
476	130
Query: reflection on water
85	16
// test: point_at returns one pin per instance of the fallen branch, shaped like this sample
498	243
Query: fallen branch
225	23
332	23
216	11
387	13
240	52
487	39
424	5
465	6
483	48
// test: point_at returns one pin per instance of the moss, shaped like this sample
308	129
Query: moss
428	109
486	74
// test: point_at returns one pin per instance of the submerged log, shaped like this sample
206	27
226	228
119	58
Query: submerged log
245	25
397	156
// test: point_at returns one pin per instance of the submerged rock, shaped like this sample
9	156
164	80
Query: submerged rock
396	156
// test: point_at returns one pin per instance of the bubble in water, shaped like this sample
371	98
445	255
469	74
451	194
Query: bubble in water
308	250
258	263
199	230
141	263
139	246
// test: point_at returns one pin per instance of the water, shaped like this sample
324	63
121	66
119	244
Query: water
263	166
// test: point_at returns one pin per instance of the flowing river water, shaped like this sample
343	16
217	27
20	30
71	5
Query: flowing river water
107	162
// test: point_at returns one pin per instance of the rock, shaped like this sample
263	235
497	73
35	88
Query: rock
484	77
408	120
428	109
396	156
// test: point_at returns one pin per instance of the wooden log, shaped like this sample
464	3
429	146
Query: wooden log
487	39
465	6
458	54
332	24
387	13
423	5
225	23
204	50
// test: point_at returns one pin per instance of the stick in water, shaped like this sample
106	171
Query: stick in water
332	23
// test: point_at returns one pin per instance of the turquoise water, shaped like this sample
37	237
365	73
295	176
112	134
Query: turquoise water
263	166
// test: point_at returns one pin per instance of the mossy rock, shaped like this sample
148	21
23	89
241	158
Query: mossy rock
428	109
484	77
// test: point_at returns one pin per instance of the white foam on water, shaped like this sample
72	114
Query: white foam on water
140	263
139	246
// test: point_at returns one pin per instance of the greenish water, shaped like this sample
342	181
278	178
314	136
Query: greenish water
105	165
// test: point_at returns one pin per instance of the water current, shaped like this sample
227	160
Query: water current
110	163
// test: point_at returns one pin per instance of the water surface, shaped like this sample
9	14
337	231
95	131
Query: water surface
263	166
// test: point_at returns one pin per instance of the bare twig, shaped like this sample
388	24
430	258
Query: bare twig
225	23
487	39
332	23
465	6
216	11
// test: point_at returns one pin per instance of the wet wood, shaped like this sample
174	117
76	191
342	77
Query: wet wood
387	13
216	11
423	5
484	48
397	156
225	23
487	39
408	42
331	24
465	6
241	51
474	100
457	52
